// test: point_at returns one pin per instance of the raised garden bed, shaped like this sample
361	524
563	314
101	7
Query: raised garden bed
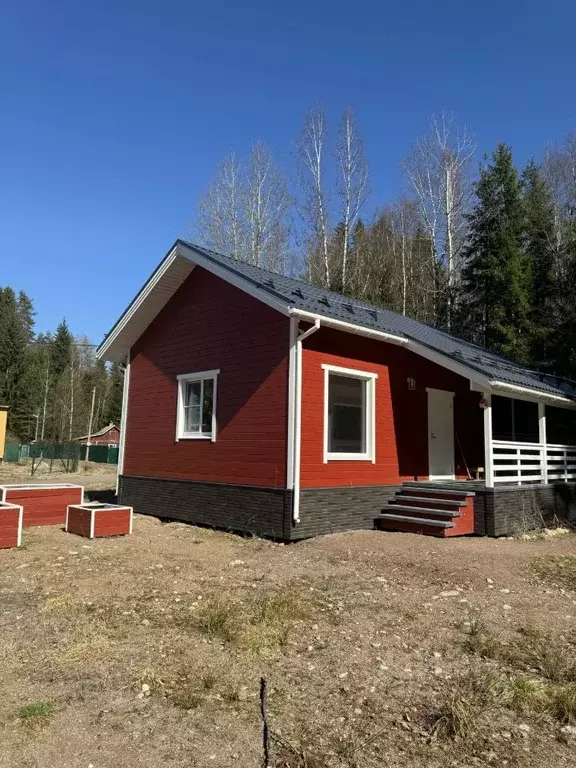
43	503
97	519
10	525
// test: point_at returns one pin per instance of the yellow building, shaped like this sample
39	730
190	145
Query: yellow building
3	420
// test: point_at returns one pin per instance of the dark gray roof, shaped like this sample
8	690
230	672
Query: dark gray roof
310	298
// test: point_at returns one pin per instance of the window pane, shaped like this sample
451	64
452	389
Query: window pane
192	418
346	414
525	421
560	426
193	393
208	406
502	418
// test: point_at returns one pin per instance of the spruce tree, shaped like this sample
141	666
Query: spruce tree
539	245
496	279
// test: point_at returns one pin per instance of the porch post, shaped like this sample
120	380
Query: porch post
542	440
488	455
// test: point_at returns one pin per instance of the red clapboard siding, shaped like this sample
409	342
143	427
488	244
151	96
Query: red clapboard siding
78	521
401	414
44	505
10	525
209	324
99	521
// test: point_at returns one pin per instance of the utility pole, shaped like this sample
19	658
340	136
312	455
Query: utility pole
90	424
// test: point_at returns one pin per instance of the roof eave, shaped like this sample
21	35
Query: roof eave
115	350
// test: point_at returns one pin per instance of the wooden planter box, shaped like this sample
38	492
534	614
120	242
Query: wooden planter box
96	519
43	504
10	525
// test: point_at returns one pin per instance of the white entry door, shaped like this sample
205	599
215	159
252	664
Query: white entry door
440	434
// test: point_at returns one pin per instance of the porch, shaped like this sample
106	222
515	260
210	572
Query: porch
528	442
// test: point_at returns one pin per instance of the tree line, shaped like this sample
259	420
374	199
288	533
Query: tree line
48	380
479	247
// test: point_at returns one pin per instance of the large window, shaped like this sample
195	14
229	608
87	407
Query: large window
196	417
349	410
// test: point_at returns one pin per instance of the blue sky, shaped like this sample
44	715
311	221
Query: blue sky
114	114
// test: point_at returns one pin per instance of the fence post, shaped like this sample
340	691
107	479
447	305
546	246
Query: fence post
542	439
488	447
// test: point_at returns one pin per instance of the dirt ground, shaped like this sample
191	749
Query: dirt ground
379	649
91	475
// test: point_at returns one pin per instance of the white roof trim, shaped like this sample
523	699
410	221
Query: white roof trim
536	394
119	340
413	346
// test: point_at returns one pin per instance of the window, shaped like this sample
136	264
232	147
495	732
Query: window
196	416
349	414
514	420
560	426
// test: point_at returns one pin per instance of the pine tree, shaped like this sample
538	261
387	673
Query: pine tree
540	249
496	280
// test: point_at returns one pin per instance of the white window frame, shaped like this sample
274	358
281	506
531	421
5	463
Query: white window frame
182	380
370	414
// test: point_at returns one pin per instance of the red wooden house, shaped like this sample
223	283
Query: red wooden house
109	435
256	402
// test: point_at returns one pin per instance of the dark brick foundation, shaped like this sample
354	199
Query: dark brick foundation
329	510
509	510
259	511
240	508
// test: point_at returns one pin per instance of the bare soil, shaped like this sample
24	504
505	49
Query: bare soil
91	475
379	649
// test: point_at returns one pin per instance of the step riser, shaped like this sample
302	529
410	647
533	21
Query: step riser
405	527
437	495
410	511
431	503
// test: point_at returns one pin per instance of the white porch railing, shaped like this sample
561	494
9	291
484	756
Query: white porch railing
529	463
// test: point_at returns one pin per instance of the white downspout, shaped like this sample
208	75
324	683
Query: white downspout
123	422
298	418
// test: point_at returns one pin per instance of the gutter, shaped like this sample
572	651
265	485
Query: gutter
298	418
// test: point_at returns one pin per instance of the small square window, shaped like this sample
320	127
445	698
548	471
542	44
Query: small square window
196	417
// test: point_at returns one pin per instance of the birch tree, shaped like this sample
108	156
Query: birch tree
438	173
314	205
352	186
220	225
265	205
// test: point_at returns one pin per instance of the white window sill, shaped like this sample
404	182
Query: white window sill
348	457
194	437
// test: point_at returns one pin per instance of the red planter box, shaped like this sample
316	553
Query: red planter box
10	525
96	520
43	504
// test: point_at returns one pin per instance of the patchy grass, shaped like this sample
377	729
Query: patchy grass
155	647
38	712
527	649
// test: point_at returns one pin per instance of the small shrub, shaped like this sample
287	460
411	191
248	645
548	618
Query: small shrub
38	711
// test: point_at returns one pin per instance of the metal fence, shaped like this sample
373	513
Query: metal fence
69	452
